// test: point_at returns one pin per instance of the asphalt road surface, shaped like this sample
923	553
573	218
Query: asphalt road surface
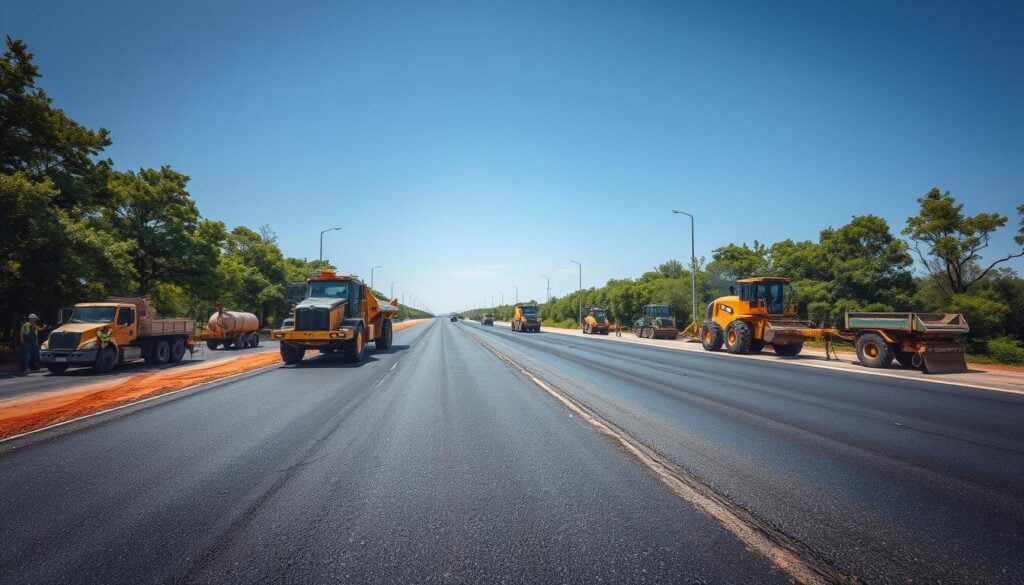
438	462
17	384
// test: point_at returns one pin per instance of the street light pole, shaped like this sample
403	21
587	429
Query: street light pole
371	276
322	241
580	290
548	289
393	289
502	293
693	265
517	293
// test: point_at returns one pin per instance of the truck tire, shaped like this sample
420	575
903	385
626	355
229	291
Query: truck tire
358	346
212	344
161	351
383	343
711	336
241	341
738	337
57	369
177	350
106	359
788	350
291	355
873	351
254	339
905	358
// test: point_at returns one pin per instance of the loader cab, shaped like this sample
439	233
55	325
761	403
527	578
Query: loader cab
766	295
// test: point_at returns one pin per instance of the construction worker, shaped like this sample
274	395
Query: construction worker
103	336
618	329
28	335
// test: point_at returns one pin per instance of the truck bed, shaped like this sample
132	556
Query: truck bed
951	324
158	327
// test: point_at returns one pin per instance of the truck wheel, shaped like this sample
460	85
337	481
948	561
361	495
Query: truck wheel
873	351
358	346
383	343
254	339
177	350
711	336
57	369
161	351
106	360
788	350
905	358
212	344
738	337
291	355
241	341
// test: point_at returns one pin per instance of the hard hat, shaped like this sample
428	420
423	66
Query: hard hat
33	316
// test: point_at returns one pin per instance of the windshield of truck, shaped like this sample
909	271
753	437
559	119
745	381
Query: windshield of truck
329	290
771	293
659	311
599	315
529	311
93	315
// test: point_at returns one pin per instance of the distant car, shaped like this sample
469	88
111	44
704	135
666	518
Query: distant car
455	318
487	320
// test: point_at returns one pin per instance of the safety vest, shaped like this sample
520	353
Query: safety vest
29	331
103	337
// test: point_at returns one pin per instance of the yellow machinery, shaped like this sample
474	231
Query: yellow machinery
595	322
135	333
762	311
525	319
339	315
656	322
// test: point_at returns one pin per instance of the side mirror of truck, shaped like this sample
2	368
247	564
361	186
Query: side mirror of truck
64	315
732	289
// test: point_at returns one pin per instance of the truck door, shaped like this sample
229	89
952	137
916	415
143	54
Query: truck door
124	326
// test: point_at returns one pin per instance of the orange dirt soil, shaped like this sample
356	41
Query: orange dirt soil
26	413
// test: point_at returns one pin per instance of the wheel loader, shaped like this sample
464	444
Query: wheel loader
339	315
595	322
763	311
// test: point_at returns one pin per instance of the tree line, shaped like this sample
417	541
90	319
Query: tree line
74	228
861	266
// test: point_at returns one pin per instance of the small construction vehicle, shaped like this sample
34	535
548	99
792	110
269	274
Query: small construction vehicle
764	312
524	319
232	330
339	315
487	320
595	322
657	322
134	333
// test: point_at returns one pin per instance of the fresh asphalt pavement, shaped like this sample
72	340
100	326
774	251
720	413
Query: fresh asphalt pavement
892	480
16	384
431	462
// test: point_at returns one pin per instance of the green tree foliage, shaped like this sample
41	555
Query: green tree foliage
950	244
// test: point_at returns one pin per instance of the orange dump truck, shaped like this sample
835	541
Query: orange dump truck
339	315
134	333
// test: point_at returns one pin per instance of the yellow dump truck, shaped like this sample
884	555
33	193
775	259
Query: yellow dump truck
595	322
131	329
525	319
232	329
339	315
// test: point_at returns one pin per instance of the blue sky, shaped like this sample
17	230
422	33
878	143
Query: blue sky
471	146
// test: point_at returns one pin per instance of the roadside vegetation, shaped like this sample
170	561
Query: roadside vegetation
74	228
861	266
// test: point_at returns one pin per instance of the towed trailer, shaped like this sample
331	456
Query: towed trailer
930	341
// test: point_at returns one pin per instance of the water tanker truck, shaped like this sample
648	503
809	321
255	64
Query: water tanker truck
107	333
232	329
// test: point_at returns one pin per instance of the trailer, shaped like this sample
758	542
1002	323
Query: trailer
930	341
232	329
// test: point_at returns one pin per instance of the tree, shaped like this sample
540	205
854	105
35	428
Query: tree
154	212
731	262
949	243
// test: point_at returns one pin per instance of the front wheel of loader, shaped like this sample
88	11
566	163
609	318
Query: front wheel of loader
873	351
291	355
790	350
711	336
737	337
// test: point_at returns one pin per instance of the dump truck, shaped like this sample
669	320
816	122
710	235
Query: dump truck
232	329
657	322
487	320
595	322
764	312
525	319
339	314
135	333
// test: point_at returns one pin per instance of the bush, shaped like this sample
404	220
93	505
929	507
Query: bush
1006	350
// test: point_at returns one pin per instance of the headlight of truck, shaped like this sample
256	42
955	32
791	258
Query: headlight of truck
90	345
45	345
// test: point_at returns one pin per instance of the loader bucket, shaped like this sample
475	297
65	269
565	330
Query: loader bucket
944	362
